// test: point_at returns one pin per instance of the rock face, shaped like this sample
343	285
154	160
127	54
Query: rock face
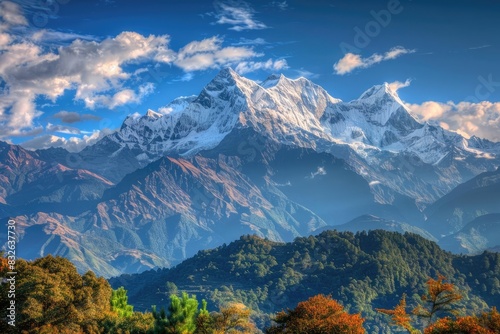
280	159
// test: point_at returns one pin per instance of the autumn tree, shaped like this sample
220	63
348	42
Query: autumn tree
318	315
234	318
490	320
399	316
439	298
460	325
52	297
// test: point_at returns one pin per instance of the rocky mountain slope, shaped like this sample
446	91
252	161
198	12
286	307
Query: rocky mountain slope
280	159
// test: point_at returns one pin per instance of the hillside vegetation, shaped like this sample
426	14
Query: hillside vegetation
362	271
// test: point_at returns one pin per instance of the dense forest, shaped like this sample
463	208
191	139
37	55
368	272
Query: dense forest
362	271
335	282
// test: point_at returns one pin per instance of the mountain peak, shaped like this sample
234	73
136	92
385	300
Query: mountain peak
379	91
272	80
384	95
226	78
227	73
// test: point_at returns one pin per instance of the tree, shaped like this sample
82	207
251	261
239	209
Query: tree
399	317
137	323
119	304
181	316
204	322
51	297
461	325
490	320
234	318
440	297
318	315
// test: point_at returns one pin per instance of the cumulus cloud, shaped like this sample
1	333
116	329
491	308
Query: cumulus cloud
238	14
98	71
270	65
71	117
352	61
72	144
209	53
62	129
88	67
120	98
480	119
101	73
397	85
11	15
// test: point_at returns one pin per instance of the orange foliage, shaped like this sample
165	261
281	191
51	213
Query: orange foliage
440	296
319	314
399	316
490	320
461	325
4	264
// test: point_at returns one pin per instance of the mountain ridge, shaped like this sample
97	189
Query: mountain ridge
241	157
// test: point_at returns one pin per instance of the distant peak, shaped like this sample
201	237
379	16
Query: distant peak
227	72
380	91
272	80
226	77
275	76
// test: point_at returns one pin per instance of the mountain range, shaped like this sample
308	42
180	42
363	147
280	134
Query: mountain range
279	158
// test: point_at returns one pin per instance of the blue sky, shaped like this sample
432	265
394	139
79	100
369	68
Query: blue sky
70	70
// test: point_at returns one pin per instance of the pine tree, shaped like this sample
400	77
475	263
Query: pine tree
119	302
180	318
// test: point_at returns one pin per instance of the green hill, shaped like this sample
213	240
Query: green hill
363	271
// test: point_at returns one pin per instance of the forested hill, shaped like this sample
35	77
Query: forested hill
363	271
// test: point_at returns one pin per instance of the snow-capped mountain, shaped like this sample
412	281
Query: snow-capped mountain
378	119
292	112
377	134
279	158
287	110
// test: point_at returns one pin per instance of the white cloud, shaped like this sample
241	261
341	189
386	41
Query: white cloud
282	5
62	129
91	68
307	74
209	53
481	119
72	144
11	15
256	41
269	65
47	35
120	98
319	171
351	61
397	85
102	73
238	14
